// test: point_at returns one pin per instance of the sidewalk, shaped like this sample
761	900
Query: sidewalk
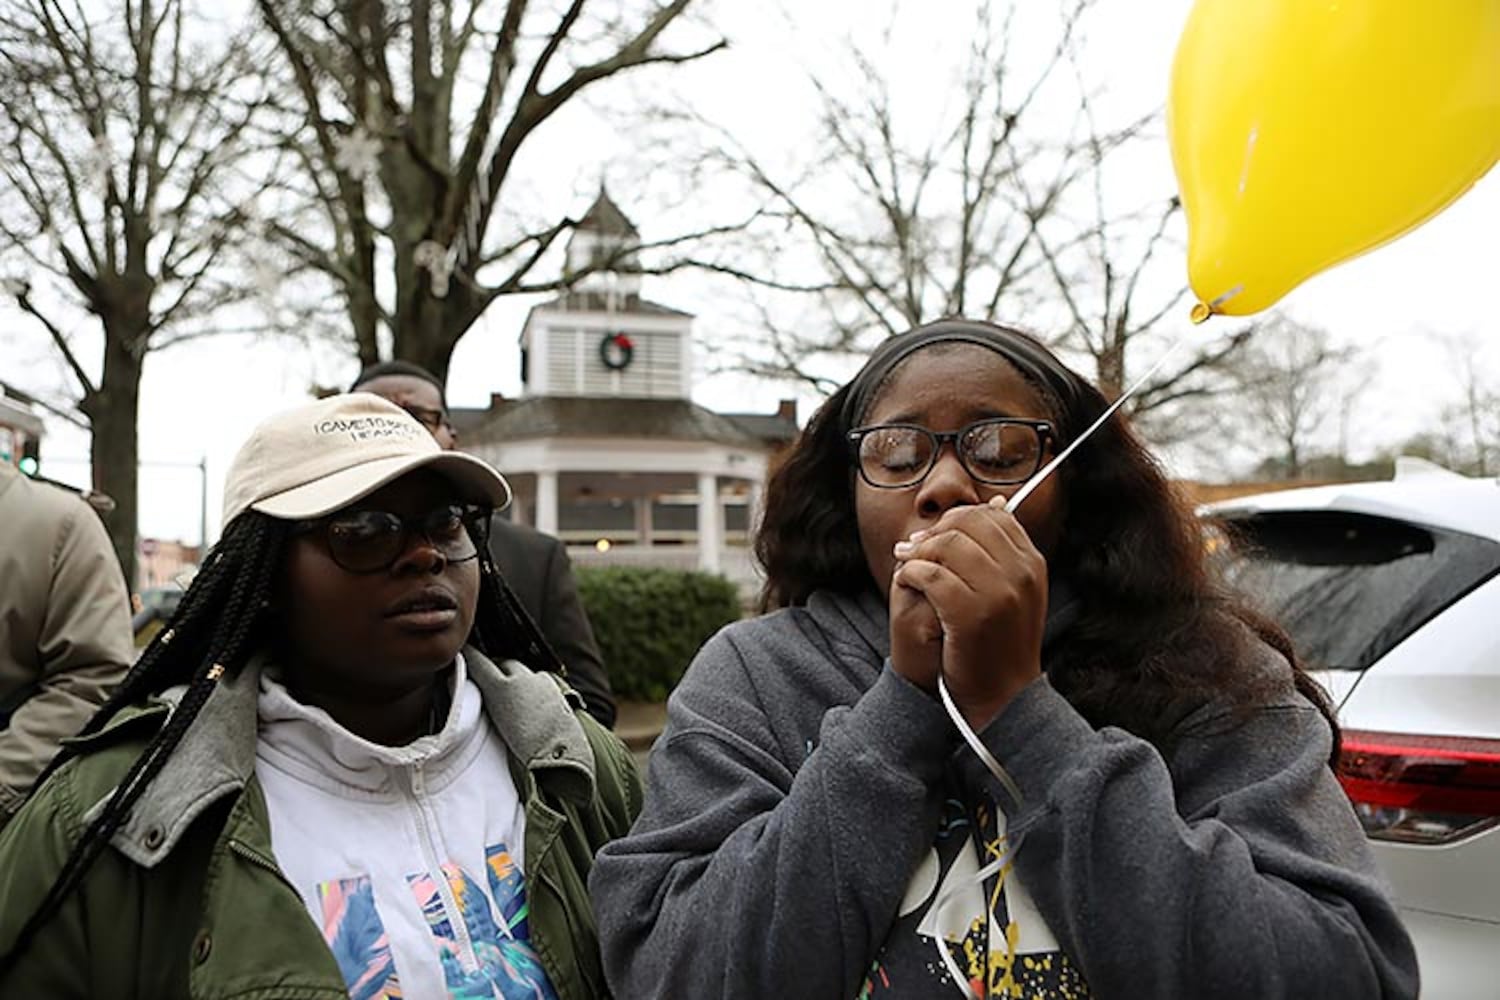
639	723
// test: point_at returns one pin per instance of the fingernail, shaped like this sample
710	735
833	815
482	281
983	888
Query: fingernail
917	536
904	549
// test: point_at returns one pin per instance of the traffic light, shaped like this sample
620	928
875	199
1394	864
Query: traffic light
31	455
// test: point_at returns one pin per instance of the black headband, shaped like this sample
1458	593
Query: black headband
1058	385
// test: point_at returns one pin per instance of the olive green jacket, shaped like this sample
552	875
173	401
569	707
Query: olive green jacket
188	900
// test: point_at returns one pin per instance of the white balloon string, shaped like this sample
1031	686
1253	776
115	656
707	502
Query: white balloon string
993	868
975	744
1046	470
980	750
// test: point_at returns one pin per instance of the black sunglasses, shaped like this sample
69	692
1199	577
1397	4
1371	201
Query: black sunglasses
368	541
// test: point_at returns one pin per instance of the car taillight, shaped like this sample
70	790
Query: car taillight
1421	789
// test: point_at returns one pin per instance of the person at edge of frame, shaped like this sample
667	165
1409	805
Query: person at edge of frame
334	772
65	637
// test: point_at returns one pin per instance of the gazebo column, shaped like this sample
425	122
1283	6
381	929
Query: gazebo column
754	501
710	523
546	502
643	521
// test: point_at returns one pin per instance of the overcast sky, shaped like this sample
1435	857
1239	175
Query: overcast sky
200	400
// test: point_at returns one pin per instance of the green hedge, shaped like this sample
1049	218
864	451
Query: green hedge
650	622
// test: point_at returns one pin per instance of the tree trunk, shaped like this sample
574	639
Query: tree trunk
424	340
364	311
114	448
432	327
1111	368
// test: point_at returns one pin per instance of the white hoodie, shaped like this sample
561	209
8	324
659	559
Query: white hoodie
408	858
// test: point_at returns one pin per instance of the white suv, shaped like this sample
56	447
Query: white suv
1391	592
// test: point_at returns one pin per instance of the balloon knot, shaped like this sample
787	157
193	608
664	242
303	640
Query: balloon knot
1200	313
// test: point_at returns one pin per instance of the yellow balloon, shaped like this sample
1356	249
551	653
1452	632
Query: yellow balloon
1304	133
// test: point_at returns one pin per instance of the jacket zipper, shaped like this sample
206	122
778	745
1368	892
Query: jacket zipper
259	860
461	938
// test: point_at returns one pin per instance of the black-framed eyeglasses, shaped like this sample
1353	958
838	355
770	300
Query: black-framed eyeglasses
998	451
368	541
433	420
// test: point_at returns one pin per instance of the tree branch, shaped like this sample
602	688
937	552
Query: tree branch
23	299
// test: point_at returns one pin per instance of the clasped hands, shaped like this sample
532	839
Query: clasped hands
968	600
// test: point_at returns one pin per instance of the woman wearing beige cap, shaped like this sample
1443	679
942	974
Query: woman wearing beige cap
333	774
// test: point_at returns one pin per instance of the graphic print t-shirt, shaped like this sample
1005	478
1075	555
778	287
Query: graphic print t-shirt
409	859
997	940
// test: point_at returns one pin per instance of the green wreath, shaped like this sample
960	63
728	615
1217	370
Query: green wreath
616	351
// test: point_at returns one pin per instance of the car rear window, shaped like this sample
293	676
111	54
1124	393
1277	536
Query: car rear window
1348	587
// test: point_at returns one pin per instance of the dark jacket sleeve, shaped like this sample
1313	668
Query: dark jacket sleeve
538	569
1234	867
747	876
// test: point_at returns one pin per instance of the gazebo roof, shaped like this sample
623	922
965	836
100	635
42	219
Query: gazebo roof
602	416
773	428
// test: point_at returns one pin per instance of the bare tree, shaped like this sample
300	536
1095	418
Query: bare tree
121	134
898	223
1292	380
1103	263
991	204
1475	417
407	123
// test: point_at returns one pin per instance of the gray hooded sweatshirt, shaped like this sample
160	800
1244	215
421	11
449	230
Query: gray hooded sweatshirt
803	801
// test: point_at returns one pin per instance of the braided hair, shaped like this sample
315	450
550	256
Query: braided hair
217	627
503	629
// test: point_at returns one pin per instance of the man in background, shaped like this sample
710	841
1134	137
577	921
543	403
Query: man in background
65	639
534	564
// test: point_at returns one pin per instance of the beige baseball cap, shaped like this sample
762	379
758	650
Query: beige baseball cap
312	460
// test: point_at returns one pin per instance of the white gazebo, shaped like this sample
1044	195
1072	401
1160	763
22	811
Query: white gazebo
604	448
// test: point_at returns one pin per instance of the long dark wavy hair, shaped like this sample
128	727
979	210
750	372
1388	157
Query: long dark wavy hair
1157	633
224	618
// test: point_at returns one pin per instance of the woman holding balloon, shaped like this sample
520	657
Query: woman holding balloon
1145	807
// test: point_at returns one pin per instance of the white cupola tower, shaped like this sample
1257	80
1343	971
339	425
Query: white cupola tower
601	338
